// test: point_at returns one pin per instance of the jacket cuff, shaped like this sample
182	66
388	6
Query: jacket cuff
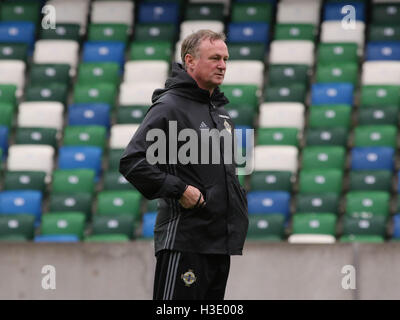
173	187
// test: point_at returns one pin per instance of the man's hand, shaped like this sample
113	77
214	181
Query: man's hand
192	198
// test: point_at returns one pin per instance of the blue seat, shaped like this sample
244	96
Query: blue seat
241	133
19	202
383	51
56	238
268	202
396	226
270	1
333	10
86	157
149	221
18	32
332	93
159	12
372	158
89	114
94	51
248	32
4	139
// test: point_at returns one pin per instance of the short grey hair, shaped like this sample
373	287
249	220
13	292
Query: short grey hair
191	43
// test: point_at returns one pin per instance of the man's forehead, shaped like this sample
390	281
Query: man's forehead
215	46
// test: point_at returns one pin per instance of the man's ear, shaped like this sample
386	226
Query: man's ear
189	61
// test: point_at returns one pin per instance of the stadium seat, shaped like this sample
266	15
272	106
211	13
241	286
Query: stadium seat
119	202
129	115
6	115
396	226
44	114
8	94
365	204
326	117
311	238
286	93
290	31
98	72
372	158
383	51
103	32
338	72
361	238
332	93
59	238
80	157
20	11
146	71
149	221
116	224
266	227
114	156
113	12
333	11
292	52
104	52
17	32
55	92
385	13
96	93
62	31
301	11
161	12
249	32
114	180
251	12
378	116
131	94
25	180
268	202
71	202
47	73
329	53
204	11
375	136
16	225
381	73
275	158
65	223
145	50
317	181
323	157
189	27
380	96
314	223
22	202
4	135
254	73
85	136
241	95
386	32
282	114
73	181
327	136
333	31
40	136
121	134
97	114
286	74
271	181
30	158
12	72
155	32
376	225
107	238
14	51
278	136
376	180
246	51
317	203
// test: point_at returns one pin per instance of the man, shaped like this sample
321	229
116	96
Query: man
202	217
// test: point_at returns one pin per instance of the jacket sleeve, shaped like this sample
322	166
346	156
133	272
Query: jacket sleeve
148	178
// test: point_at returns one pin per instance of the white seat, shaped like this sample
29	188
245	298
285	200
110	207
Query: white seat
292	52
27	157
386	1
146	71
226	4
44	114
57	51
311	238
72	11
299	11
381	72
244	72
275	158
121	134
333	31
137	93
282	115
190	26
113	12
13	72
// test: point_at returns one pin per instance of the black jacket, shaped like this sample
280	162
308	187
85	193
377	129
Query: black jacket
219	227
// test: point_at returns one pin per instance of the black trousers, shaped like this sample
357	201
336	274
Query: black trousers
190	276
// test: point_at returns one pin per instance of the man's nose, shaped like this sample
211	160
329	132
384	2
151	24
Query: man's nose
222	64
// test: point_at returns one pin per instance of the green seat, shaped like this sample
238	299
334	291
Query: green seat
204	11
327	137
385	13
278	136
85	136
13	238
317	203
108	32
63	31
63	223
98	72
13	51
375	225
320	181
118	224
282	93
113	180
241	95
25	180
285	74
47	136
325	157
246	51
294	31
133	114
45	74
20	10
369	136
49	92
97	92
330	53
73	181
107	238
14	225
386	32
271	180
7	94
145	50
251	12
380	96
378	116
242	115
67	202
268	227
361	238
119	202
155	32
376	180
314	223
337	72
365	204
6	114
330	116
113	158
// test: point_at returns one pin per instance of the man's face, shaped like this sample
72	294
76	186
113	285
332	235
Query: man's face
209	66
